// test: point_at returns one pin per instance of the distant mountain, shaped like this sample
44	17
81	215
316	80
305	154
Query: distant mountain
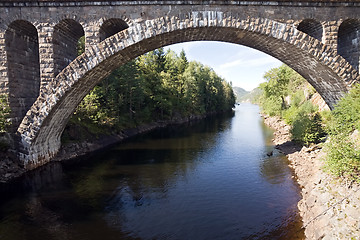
239	92
252	96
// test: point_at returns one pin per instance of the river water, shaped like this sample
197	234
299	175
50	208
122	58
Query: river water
208	180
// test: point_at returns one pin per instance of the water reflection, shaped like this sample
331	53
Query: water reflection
209	180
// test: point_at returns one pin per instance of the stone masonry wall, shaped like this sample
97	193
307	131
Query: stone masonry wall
22	48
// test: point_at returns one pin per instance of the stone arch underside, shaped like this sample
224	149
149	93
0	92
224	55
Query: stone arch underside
41	129
22	50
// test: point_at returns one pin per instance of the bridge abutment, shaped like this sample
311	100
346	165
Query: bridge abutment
36	155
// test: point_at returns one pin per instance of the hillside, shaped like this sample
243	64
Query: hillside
251	96
239	93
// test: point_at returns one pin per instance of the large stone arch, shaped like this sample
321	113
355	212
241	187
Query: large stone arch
41	129
22	51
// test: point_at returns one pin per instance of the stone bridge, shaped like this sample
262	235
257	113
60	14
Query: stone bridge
45	80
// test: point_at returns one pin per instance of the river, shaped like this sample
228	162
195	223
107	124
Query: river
208	180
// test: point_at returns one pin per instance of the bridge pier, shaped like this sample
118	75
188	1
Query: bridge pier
331	29
46	53
34	155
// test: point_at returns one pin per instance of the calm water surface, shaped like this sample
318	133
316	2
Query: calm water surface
210	180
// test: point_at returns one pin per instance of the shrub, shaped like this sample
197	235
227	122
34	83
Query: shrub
343	151
347	112
342	156
308	129
297	111
272	106
4	113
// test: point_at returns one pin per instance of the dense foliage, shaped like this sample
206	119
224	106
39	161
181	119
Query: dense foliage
286	94
155	86
343	147
4	113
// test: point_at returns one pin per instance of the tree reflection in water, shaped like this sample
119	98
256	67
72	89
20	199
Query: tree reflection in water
208	180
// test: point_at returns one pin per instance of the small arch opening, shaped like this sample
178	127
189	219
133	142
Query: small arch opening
66	38
111	27
349	41
22	49
311	27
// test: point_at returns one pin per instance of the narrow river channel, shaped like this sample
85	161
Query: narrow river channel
210	180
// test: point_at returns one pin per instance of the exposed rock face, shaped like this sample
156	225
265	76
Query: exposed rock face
317	100
282	130
330	208
9	167
355	136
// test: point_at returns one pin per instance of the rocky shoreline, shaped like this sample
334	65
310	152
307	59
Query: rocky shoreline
330	207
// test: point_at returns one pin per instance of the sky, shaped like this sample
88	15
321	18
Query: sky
242	66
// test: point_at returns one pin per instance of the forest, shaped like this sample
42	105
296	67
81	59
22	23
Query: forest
157	86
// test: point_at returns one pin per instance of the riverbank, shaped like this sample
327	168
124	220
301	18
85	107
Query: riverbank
11	169
330	207
79	149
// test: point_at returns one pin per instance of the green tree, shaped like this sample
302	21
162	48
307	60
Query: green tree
4	113
194	88
308	129
277	84
346	115
81	45
157	85
183	62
